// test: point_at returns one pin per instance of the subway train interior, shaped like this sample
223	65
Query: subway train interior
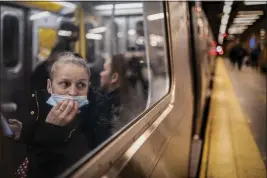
161	58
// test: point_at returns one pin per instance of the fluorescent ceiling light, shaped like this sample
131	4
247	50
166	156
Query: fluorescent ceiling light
129	6
250	12
39	15
98	30
225	16
222	28
227	9
93	36
156	38
119	6
248	3
224	21
155	16
131	32
247	18
229	3
64	33
243	21
66	4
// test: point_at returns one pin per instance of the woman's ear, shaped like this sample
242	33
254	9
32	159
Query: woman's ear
115	78
49	86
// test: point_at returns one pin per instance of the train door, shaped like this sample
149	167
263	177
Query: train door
12	81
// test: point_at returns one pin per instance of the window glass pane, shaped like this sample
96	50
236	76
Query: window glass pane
10	41
124	46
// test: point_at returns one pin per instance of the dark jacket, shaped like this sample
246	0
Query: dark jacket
106	111
51	148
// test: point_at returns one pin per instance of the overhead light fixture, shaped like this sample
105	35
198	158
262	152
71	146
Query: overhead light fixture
155	16
224	21
64	33
227	9
250	12
131	32
247	18
98	30
66	4
243	21
93	36
229	3
119	6
222	28
248	3
226	17
39	15
129	6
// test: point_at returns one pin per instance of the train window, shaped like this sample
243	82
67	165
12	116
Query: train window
10	41
124	45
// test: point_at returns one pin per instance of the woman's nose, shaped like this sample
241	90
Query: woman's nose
73	91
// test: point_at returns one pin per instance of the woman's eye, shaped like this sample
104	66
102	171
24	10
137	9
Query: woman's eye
64	84
81	85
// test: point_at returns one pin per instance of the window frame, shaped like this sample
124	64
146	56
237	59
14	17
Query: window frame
105	154
12	12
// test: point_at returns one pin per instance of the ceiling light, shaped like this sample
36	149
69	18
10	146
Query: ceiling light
119	6
222	28
229	3
98	30
248	3
93	36
227	9
247	15
131	32
244	21
39	15
155	16
64	33
129	6
247	18
224	21
225	16
250	12
66	4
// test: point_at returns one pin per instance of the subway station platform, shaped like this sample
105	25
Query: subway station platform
235	139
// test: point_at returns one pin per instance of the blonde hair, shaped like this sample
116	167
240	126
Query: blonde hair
69	58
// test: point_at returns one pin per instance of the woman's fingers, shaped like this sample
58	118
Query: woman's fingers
68	109
63	113
73	113
14	121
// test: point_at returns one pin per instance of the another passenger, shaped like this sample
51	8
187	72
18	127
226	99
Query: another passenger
64	43
113	87
53	131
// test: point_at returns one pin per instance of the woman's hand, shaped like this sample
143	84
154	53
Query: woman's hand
16	127
63	113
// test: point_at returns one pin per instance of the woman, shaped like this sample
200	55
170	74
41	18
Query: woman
53	131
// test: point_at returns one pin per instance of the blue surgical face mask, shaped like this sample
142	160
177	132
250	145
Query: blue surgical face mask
54	99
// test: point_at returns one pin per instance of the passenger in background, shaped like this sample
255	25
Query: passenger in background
254	56
54	129
114	89
237	54
65	43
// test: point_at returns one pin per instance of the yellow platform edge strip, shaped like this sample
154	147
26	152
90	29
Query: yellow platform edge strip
229	149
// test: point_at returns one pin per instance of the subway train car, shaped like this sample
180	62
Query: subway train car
170	43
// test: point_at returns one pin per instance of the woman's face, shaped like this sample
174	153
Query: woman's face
69	79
